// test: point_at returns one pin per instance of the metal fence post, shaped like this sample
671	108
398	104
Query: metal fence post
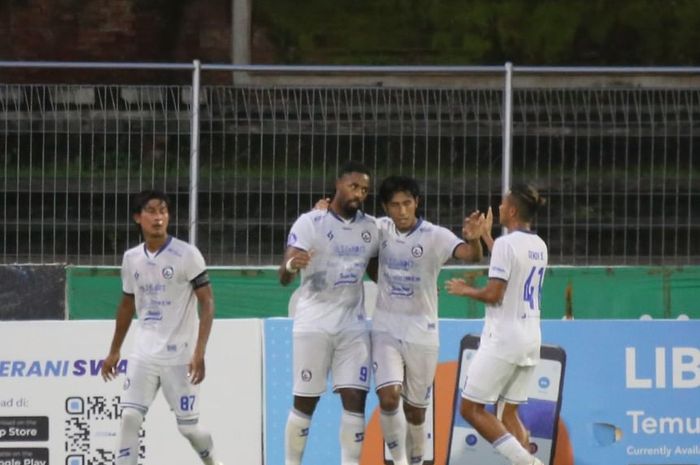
194	152
507	129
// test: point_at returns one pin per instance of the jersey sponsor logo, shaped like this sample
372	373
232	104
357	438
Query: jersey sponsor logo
306	375
417	251
366	236
168	272
401	291
347	278
398	263
153	315
330	235
349	250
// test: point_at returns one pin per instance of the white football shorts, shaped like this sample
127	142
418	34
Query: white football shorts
407	364
143	380
345	355
490	379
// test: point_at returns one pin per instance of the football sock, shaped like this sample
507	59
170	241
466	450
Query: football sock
296	433
394	431
352	436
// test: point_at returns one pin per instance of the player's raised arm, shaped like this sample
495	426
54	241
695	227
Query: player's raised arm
471	251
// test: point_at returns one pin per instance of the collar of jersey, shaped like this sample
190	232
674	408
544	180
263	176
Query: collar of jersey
525	231
340	218
162	247
415	226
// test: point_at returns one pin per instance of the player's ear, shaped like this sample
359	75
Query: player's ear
137	218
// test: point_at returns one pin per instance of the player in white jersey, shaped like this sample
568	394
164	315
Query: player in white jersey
333	248
511	338
405	337
163	281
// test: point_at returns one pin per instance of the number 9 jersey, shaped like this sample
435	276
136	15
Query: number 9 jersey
512	327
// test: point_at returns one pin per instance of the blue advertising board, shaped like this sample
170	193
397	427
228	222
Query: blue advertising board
631	394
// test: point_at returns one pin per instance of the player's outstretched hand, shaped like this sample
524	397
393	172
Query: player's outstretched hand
109	366
196	369
456	286
487	224
472	226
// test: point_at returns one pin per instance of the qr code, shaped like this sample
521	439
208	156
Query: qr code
91	427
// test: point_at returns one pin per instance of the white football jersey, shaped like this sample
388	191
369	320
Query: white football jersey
512	328
166	305
409	264
330	297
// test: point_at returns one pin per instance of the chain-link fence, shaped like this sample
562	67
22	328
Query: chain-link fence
617	164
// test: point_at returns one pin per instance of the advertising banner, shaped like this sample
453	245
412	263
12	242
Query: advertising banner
56	409
630	395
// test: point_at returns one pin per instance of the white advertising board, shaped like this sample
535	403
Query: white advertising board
56	409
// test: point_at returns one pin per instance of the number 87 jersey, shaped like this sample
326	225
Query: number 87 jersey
512	327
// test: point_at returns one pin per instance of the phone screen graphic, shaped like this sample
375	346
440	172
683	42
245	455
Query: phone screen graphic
540	414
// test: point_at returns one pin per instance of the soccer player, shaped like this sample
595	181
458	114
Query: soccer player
510	341
163	280
332	248
405	337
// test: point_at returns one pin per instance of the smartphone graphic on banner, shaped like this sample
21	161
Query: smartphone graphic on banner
429	451
540	414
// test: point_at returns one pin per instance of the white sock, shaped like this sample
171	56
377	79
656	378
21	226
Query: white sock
128	441
510	448
394	431
415	443
352	436
296	433
200	440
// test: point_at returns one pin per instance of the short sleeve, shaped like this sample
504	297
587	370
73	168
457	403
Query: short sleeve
445	243
301	234
501	260
127	277
194	264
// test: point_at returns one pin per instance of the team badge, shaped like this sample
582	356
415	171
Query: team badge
417	251
366	236
168	272
306	375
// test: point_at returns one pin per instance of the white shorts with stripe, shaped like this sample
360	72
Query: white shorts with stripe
143	380
490	379
407	364
344	355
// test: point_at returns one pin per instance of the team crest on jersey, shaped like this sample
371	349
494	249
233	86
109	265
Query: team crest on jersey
168	272
366	236
417	251
306	375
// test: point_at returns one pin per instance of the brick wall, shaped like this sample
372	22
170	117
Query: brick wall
113	30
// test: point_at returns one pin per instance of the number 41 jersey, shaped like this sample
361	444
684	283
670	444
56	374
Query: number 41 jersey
512	328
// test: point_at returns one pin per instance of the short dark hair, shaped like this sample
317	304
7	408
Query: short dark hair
528	200
142	198
394	184
352	166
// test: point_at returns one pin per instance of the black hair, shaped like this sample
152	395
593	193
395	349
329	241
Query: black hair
394	184
142	198
527	200
352	166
